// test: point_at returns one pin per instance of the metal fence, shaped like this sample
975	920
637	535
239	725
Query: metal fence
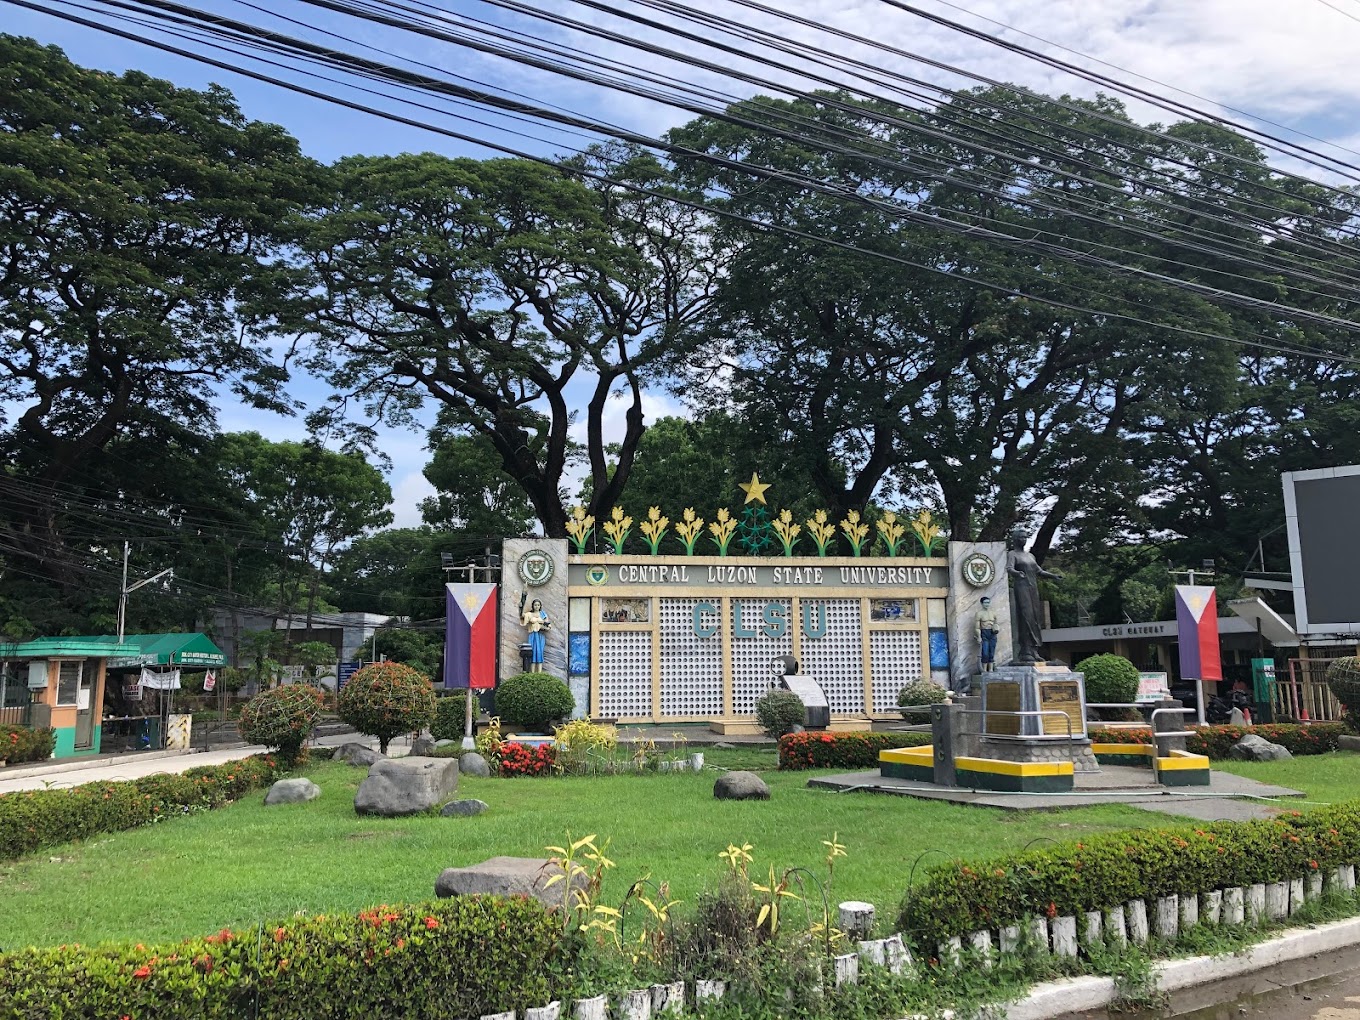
16	715
1304	694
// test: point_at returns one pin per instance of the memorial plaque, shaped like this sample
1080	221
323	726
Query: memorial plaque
1063	696
1003	696
817	710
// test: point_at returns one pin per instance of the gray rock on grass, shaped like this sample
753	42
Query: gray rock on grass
473	764
740	786
463	808
507	876
291	791
406	786
1254	748
356	754
422	745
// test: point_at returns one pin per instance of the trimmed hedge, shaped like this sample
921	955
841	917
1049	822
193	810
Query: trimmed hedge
450	716
841	750
21	743
459	957
33	819
1111	869
1215	741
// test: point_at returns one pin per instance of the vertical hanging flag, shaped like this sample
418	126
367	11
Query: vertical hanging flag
1197	629
209	681
470	636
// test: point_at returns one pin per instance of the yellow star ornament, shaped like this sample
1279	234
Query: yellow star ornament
754	489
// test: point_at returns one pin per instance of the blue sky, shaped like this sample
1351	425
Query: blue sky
1290	62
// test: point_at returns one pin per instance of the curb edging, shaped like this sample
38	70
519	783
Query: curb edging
1072	995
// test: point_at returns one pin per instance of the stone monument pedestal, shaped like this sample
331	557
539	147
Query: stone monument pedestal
1038	687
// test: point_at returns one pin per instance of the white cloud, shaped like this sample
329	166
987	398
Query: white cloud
408	490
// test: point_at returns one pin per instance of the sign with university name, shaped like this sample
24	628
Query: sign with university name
757	575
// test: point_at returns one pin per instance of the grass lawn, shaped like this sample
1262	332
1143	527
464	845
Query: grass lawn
246	864
1326	778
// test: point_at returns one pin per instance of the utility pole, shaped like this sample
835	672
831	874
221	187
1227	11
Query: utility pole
128	589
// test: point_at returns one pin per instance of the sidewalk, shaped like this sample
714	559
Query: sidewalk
65	773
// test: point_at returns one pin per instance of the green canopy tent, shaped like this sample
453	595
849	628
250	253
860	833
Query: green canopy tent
185	650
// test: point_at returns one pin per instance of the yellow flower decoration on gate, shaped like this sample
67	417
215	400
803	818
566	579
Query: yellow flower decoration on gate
654	528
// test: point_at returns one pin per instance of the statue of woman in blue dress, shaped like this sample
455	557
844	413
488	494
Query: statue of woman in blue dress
536	622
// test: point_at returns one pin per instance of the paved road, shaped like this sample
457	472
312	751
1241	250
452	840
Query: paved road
134	767
1329	998
1324	987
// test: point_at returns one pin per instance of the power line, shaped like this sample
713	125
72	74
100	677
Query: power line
1260	342
1146	78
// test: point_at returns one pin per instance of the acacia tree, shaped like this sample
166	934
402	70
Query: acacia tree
313	501
509	292
893	361
134	217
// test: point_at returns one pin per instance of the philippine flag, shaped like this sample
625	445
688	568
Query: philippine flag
1197	629
470	637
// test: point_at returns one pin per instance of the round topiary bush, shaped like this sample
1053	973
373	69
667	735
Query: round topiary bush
919	694
779	712
386	699
1343	677
1109	678
281	718
533	701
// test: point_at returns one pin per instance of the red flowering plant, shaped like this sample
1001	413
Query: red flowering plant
812	750
518	759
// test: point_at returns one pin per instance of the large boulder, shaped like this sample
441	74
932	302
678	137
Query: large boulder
356	754
291	791
740	786
507	876
406	786
473	764
1254	748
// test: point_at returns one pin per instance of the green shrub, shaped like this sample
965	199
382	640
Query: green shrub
33	819
841	750
386	699
533	701
1112	868
778	712
920	693
1214	742
456	957
1112	679
281	718
21	743
450	716
1343	677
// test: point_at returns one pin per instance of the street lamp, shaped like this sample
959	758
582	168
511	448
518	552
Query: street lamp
128	589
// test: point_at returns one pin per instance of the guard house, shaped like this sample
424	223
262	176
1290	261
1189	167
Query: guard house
64	680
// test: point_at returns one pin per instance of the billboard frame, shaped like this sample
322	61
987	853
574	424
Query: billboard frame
1302	625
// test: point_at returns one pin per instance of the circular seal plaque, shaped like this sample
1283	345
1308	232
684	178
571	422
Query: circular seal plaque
597	574
536	568
979	570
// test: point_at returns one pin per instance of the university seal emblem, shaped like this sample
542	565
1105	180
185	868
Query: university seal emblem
536	568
